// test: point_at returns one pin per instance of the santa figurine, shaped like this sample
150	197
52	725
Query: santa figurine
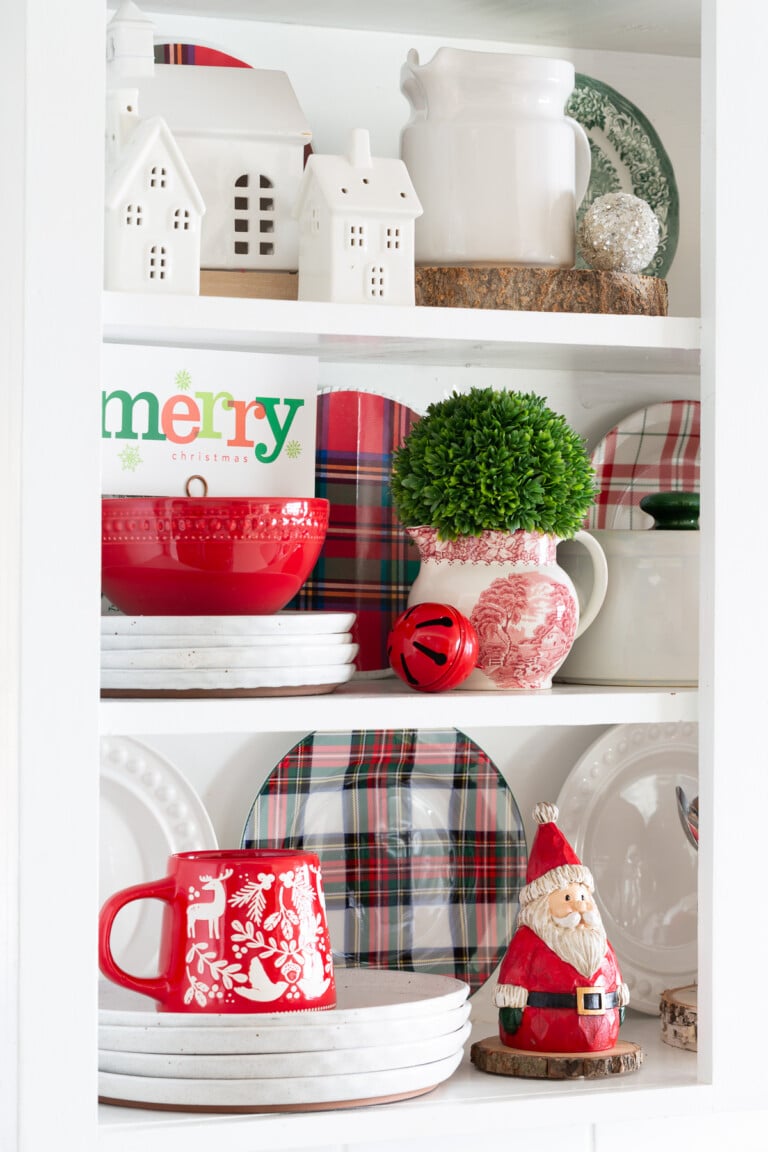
560	988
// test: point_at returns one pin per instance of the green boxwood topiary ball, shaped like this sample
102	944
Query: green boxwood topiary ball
492	460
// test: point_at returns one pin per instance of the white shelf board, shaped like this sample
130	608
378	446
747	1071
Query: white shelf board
409	335
388	704
470	1103
618	25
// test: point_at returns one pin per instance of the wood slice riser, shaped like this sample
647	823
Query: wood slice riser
490	1055
522	288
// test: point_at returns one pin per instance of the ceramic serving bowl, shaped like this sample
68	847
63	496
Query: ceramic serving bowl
171	556
647	629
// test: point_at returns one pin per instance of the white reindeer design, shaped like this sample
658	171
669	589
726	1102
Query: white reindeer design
209	910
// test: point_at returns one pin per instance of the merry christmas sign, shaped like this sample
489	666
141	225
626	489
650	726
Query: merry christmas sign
243	422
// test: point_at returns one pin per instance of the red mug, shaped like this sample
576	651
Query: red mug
242	931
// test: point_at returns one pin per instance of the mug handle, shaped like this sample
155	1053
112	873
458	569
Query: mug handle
583	160
599	583
156	986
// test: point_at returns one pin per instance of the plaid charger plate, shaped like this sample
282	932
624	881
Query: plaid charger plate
653	450
420	840
368	563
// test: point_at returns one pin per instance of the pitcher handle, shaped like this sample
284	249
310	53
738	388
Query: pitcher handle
583	160
599	583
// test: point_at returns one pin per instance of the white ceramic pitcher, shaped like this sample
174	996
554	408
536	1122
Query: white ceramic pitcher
500	170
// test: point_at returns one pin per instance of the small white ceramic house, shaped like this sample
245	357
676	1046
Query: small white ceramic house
153	207
245	138
130	46
356	228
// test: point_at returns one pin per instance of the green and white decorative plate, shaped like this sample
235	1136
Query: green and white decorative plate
627	156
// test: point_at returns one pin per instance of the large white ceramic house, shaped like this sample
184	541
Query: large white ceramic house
244	137
153	207
356	228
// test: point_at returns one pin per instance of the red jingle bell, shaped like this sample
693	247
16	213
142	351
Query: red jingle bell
432	647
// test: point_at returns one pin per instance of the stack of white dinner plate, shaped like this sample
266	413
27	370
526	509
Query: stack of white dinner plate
392	1035
288	653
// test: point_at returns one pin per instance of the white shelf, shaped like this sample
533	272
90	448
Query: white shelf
402	335
472	1104
672	29
387	704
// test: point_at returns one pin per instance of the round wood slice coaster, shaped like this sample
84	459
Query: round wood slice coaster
525	288
679	1017
490	1055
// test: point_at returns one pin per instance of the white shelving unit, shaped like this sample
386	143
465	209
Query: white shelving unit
52	321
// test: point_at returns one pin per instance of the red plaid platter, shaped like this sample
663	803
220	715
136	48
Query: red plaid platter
653	450
195	54
367	564
421	843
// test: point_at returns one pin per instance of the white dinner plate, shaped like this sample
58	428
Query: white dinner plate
618	808
292	623
225	658
348	1089
291	1037
280	640
223	679
148	811
271	1065
369	994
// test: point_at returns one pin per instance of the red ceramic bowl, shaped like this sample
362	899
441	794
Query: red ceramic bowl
207	556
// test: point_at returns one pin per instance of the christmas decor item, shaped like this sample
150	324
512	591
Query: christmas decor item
130	46
486	483
356	227
432	647
488	460
244	137
618	233
153	207
244	931
560	988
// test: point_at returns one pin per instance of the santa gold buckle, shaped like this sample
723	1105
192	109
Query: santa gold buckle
583	995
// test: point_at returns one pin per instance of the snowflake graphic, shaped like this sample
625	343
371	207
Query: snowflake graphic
293	449
183	380
130	458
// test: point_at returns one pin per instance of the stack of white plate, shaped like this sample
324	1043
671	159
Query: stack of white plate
288	653
391	1036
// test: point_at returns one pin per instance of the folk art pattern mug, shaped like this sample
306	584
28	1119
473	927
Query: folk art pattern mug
242	931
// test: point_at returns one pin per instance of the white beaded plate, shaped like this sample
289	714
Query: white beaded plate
618	808
147	812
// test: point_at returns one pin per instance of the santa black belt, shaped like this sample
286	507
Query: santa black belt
586	1001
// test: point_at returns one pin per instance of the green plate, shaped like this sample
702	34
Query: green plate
627	156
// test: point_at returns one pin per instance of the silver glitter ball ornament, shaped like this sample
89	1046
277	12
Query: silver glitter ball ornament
618	233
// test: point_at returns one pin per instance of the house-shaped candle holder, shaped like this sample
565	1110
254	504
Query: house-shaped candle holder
356	228
245	139
153	207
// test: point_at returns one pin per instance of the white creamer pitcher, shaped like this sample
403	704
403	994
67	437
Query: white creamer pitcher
497	165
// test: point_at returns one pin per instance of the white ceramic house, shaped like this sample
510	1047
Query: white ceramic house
153	207
245	138
130	46
356	228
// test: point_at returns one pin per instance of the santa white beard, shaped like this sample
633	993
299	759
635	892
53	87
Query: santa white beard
583	947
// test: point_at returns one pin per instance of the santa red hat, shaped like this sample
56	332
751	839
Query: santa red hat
552	863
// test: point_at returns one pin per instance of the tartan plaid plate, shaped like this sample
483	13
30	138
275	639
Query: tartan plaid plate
367	564
421	843
653	450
